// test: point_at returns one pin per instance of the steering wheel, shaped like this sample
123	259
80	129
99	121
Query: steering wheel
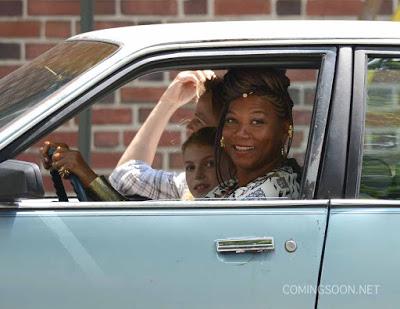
77	186
59	186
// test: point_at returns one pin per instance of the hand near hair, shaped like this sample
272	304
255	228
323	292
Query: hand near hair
186	86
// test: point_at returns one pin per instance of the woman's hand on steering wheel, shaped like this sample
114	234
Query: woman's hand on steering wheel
67	161
45	152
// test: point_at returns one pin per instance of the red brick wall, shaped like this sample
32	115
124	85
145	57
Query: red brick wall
30	27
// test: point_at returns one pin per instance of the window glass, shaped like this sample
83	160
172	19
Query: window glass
24	88
381	158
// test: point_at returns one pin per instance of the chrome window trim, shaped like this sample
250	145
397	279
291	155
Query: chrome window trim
362	203
192	206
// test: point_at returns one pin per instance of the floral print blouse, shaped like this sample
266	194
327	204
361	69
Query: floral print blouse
282	182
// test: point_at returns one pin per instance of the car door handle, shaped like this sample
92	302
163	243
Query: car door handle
243	245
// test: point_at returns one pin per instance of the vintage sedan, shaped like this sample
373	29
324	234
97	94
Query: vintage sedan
333	248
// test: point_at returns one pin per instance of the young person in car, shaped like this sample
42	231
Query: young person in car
199	162
134	174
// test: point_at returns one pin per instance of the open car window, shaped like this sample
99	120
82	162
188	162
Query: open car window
117	117
120	111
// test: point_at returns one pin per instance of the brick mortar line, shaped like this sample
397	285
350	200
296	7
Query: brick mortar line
188	18
273	12
118	7
25	8
111	127
42	29
158	84
303	9
136	114
31	40
211	8
118	98
30	18
180	8
99	129
164	162
169	19
12	62
114	128
74	30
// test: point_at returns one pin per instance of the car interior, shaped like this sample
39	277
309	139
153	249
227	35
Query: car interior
117	116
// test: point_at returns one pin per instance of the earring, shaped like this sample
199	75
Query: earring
282	151
290	131
221	142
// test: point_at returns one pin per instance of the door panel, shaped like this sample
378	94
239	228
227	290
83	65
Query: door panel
158	258
361	259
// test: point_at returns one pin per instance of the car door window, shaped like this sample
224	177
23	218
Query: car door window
380	177
118	116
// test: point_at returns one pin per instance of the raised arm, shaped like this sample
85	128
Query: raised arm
184	88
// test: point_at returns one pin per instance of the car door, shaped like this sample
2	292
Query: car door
360	268
173	254
150	257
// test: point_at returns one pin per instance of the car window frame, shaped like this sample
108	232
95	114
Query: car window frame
215	57
333	165
358	113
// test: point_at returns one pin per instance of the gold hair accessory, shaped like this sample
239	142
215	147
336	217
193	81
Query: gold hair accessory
246	94
221	142
290	131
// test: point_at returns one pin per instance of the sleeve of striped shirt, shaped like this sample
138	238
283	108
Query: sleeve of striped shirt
137	177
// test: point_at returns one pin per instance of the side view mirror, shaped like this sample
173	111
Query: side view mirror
19	179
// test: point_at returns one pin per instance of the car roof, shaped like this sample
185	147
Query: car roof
290	31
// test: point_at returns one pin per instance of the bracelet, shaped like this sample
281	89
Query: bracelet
101	190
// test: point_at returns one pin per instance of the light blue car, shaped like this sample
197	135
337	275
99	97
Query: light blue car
336	247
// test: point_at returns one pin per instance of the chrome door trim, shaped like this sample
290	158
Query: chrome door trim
27	205
362	203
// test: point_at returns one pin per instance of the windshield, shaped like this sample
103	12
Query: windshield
21	90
